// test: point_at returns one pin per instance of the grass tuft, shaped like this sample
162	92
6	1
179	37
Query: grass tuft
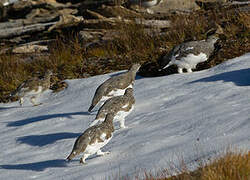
231	166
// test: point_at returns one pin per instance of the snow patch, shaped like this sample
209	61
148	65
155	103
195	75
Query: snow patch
191	116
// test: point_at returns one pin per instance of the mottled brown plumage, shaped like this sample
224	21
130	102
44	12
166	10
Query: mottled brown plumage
93	139
188	54
33	87
116	83
116	105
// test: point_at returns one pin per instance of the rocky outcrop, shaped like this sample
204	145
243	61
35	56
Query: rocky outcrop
32	21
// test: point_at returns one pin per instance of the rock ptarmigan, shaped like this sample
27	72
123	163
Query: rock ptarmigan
121	106
187	55
114	86
93	139
32	88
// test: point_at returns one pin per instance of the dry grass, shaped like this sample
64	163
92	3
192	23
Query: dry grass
235	40
65	60
231	166
69	59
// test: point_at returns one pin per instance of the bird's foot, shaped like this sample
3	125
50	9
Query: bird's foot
122	124
180	70
100	153
37	104
123	127
189	70
83	162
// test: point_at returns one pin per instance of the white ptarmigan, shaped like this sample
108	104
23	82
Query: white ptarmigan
187	55
93	139
114	86
121	106
32	88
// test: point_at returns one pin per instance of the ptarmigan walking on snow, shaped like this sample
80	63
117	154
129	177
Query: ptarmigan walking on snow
121	106
187	55
32	88
114	86
93	139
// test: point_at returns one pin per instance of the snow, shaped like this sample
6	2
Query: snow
176	117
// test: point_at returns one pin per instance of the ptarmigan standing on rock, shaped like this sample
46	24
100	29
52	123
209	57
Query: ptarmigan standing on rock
32	88
187	55
114	86
121	106
93	139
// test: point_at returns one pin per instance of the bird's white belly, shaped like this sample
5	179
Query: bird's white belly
191	60
122	114
93	148
117	92
34	92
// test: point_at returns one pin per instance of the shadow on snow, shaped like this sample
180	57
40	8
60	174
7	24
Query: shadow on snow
45	139
45	117
37	166
238	77
7	108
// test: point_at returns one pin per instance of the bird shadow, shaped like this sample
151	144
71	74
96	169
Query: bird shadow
37	166
238	77
7	108
42	140
44	117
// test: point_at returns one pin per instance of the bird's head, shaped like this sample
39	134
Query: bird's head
213	38
135	67
129	91
215	31
48	73
73	154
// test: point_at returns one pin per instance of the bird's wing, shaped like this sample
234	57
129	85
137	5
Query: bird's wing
25	86
191	47
164	62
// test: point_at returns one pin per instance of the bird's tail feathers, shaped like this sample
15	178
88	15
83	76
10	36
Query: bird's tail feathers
94	122
71	156
13	93
169	64
91	107
166	66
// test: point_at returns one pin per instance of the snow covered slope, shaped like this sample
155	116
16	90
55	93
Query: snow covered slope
182	116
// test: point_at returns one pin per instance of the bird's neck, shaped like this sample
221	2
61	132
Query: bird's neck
108	122
132	73
212	39
128	94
